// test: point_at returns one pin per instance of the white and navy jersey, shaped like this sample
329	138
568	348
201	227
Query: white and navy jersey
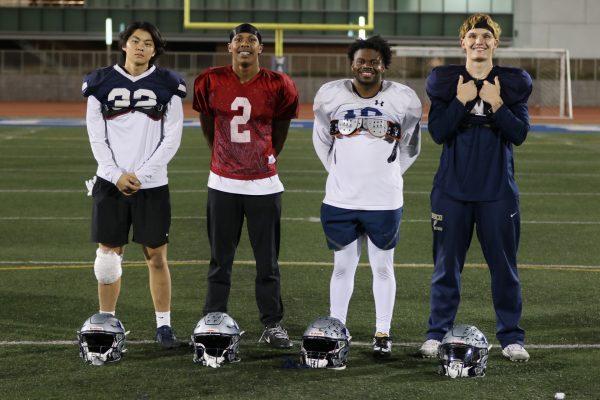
134	122
362	173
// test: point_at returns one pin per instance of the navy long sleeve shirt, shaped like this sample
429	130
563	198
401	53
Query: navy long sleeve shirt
476	163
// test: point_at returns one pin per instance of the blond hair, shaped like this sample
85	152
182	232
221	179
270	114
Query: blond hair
480	21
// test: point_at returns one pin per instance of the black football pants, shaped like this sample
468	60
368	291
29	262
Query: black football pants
225	218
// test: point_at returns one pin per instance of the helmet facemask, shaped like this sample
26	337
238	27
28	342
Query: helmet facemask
463	352
462	361
213	350
101	339
216	340
325	344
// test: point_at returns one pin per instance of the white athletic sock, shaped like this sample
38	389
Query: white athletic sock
107	312
341	285
384	285
163	318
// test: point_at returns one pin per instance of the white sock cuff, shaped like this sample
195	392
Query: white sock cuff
163	318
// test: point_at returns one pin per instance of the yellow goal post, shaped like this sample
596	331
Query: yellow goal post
280	27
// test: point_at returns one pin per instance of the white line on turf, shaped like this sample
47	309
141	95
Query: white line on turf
572	346
320	191
46	265
297	219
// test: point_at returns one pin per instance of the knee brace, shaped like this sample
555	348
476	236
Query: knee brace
107	267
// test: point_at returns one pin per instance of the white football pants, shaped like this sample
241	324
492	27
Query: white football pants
345	262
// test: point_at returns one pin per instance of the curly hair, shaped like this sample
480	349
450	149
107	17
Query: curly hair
159	42
480	21
376	43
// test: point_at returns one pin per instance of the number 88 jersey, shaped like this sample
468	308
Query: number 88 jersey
243	119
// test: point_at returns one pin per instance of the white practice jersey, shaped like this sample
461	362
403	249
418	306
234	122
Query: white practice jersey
134	123
362	175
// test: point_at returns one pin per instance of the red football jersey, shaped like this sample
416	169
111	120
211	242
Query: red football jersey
244	114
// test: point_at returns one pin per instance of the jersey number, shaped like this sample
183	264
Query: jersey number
236	135
121	97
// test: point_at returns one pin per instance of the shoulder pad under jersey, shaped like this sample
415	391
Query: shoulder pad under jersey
174	81
442	80
92	80
515	84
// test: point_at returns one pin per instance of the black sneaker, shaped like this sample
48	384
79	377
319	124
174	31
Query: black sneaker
275	336
382	345
165	337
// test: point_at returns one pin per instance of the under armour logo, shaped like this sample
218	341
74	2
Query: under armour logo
377	103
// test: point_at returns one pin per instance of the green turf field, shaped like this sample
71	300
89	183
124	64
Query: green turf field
47	286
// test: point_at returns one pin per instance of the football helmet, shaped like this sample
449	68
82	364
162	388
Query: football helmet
101	339
325	344
463	352
216	340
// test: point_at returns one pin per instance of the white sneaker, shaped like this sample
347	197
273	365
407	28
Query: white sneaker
429	349
515	352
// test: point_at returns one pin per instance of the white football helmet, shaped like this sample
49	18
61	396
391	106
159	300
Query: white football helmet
325	344
463	352
101	339
216	340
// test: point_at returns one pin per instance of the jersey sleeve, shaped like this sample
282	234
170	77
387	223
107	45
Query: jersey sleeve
100	147
176	83
322	139
92	80
201	94
410	144
515	85
288	106
168	146
446	111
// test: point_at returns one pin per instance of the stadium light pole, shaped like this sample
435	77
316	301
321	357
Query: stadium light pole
108	39
362	34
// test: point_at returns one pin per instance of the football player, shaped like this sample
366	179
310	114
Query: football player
134	121
245	112
478	113
366	134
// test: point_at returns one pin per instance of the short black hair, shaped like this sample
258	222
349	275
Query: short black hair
159	42
247	28
376	43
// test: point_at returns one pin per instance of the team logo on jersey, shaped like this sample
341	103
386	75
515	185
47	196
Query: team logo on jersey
478	108
364	112
436	222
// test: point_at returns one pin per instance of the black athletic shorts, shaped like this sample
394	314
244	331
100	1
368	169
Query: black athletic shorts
113	213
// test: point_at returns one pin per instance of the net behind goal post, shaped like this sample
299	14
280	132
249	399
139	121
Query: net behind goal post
549	69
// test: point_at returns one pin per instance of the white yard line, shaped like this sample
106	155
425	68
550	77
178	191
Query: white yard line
6	265
297	219
408	192
569	346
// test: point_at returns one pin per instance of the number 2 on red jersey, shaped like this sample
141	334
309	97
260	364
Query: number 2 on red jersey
236	135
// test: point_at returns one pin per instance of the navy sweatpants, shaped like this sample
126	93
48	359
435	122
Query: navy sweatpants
497	225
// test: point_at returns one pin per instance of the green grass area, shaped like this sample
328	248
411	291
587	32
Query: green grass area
44	218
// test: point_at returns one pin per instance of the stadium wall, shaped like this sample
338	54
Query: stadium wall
40	87
558	24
